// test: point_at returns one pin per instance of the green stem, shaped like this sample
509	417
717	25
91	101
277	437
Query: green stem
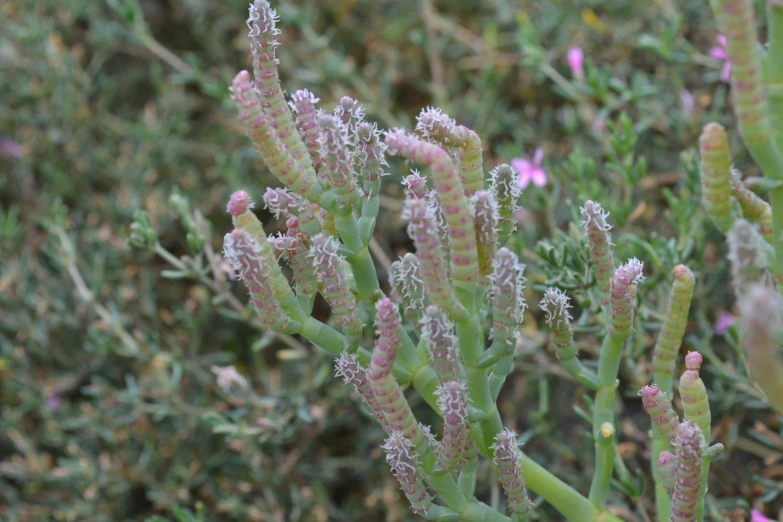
776	202
663	502
565	499
774	77
603	415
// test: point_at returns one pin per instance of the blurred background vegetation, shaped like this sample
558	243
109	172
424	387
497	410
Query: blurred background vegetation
111	406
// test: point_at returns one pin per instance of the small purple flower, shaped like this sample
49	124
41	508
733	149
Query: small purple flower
723	322
11	148
576	62
530	171
720	53
688	102
53	403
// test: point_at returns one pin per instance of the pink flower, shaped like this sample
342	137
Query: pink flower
723	322
228	377
11	148
757	516
530	171
687	101
576	62
720	53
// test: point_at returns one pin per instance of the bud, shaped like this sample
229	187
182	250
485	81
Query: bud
485	217
260	129
433	124
437	331
504	186
761	325
408	287
239	203
689	469
508	303
715	175
623	297
304	106
251	261
352	372
453	404
415	186
507	459
670	337
423	230
600	243
262	22
281	200
330	271
337	151
695	406
462	238
401	457
660	410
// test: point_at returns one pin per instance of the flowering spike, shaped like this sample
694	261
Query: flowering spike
689	470
262	22
352	372
328	224
667	467
555	304
251	262
437	330
508	303
504	186
350	112
622	298
435	125
372	155
453	403
485	217
716	175
304	106
423	230
507	459
338	154
670	337
291	204
401	457
276	156
408	287
761	324
293	247
330	271
387	391
738	24
660	410
451	194
600	242
747	255
695	405
753	207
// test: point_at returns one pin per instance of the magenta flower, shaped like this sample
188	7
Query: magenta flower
530	171
576	62
723	322
720	53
